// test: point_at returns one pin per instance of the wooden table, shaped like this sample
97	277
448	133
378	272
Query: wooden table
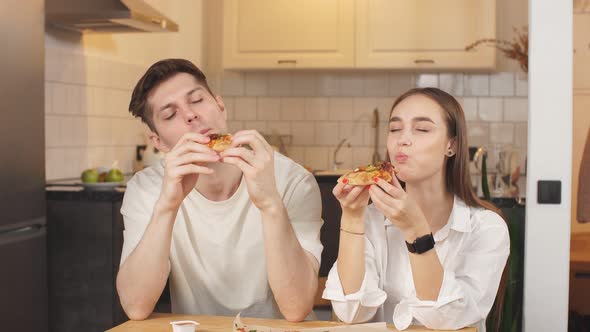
161	323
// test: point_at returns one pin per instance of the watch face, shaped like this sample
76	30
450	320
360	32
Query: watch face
421	244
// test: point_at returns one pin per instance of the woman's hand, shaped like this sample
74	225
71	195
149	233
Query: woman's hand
399	208
353	199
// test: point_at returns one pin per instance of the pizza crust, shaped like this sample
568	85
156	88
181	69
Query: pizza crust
364	176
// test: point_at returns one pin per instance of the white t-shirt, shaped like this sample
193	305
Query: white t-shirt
472	247
217	261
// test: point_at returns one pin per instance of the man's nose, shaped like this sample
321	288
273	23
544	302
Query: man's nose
188	114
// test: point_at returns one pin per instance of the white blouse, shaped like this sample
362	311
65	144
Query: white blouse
472	247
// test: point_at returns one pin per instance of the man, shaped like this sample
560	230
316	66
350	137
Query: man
234	231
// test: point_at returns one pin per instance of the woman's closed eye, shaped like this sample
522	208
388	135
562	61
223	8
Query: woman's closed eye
196	101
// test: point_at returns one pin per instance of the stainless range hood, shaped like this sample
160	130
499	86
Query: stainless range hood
107	16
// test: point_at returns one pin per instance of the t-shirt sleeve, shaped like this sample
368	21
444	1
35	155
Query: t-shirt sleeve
304	206
136	210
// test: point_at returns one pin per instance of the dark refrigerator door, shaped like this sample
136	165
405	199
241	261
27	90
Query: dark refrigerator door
22	89
23	279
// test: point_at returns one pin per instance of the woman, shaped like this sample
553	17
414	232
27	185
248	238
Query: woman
429	252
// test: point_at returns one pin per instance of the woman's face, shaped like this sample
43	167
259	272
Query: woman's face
418	139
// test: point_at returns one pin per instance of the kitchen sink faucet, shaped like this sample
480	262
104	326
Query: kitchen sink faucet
335	162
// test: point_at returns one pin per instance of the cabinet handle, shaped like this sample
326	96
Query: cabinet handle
421	61
281	62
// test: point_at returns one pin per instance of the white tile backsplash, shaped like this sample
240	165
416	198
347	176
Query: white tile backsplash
490	109
256	84
292	109
522	85
326	133
260	126
476	85
232	84
340	109
516	109
399	83
279	84
469	108
427	80
317	108
303	84
279	127
353	132
362	108
88	124
303	132
352	85
502	84
376	84
328	85
501	133
316	157
451	83
269	108
245	108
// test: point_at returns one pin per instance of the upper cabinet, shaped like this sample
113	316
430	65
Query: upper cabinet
391	34
273	34
430	34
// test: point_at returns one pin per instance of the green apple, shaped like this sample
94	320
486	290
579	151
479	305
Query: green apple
114	175
90	175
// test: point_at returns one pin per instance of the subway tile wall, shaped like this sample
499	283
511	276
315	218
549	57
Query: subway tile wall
318	110
88	125
86	119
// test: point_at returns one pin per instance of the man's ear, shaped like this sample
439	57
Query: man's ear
157	142
221	105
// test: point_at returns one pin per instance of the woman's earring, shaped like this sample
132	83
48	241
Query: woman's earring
450	153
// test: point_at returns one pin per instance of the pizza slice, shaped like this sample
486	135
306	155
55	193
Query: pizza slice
363	176
220	142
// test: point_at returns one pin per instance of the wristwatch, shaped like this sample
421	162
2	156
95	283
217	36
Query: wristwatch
421	245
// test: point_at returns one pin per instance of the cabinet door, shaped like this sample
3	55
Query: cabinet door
430	34
582	52
275	34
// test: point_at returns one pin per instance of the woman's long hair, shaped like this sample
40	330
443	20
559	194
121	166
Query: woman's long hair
458	179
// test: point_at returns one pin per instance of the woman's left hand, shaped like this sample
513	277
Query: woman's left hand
399	208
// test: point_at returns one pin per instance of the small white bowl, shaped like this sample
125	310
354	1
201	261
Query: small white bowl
184	326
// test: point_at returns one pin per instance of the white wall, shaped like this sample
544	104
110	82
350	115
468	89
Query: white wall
89	79
547	235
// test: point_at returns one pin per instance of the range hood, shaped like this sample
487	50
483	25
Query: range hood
107	16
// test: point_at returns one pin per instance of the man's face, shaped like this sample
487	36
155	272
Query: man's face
181	105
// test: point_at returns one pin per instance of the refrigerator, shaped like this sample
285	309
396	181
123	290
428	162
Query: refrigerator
23	270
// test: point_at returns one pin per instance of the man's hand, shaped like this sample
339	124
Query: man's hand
182	166
257	165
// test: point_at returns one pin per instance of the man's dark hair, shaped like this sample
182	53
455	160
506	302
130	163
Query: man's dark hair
156	74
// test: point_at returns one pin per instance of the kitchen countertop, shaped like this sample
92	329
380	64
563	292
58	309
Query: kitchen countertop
158	322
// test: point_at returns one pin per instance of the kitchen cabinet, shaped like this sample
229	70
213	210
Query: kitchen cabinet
276	34
582	53
424	34
84	242
386	34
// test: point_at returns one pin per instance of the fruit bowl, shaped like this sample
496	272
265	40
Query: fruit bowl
102	178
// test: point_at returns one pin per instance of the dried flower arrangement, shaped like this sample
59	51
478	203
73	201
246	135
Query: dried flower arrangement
517	49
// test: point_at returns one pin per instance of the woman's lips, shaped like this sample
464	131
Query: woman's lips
401	157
